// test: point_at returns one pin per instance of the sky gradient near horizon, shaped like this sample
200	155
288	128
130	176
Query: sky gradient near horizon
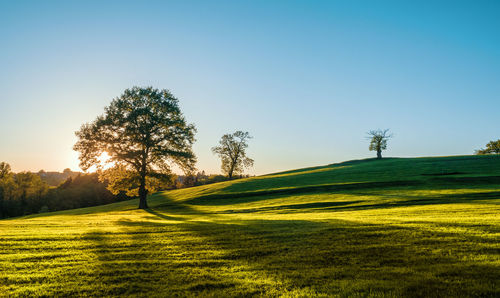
307	79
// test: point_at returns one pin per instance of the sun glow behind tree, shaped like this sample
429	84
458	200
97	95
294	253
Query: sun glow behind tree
104	162
144	132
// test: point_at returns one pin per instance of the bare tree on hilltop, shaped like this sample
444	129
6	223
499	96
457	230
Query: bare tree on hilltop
378	140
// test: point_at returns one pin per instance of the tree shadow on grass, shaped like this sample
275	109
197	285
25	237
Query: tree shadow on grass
444	199
415	172
293	207
394	201
301	257
252	196
488	182
133	261
161	215
105	266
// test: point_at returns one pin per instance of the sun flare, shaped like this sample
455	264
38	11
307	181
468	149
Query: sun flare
104	163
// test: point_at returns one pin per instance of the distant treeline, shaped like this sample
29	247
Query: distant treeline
28	193
201	178
56	178
179	181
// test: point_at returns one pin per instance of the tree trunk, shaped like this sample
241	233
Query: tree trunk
143	193
231	170
379	154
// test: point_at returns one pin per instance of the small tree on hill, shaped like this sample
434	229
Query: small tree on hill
492	147
143	131
231	151
378	140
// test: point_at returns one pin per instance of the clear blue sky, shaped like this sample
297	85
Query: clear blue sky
307	79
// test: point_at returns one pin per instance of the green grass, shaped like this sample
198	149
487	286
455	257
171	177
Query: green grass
426	227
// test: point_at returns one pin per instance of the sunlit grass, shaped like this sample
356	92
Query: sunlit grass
397	227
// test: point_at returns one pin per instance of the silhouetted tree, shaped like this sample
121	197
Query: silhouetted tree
231	151
4	169
492	147
66	183
189	180
142	131
378	140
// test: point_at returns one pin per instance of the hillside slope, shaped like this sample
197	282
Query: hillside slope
391	227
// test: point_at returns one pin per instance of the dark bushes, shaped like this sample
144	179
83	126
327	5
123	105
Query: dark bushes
25	193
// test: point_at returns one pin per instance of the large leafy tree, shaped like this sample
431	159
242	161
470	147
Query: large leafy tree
378	140
144	132
231	151
492	147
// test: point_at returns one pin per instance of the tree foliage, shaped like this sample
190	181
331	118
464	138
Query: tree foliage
493	147
378	140
4	169
121	180
144	132
231	151
82	191
20	193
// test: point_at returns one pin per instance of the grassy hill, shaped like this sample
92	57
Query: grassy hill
392	227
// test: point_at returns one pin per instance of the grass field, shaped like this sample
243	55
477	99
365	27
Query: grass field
426	227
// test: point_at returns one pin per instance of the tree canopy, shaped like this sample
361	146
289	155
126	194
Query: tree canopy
378	140
232	152
493	147
4	169
144	132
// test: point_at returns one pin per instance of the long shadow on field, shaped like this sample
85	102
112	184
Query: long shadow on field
273	257
487	197
452	171
135	261
105	268
230	198
291	207
480	228
385	201
163	216
488	182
